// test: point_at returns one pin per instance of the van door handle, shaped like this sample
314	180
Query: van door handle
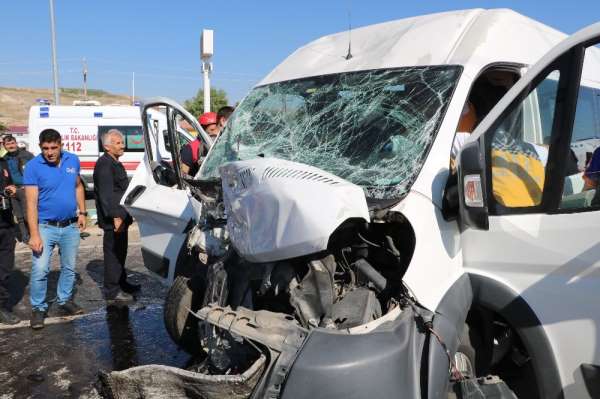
134	194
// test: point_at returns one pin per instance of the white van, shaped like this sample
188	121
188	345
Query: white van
343	250
81	128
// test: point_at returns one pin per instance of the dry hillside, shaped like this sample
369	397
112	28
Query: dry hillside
15	102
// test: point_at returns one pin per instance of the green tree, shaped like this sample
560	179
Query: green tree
3	128
218	99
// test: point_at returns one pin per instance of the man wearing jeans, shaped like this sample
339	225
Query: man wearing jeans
16	158
54	192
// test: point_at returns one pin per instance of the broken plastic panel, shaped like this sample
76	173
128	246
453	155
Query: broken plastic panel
372	128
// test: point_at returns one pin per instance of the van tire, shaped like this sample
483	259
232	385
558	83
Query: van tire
184	294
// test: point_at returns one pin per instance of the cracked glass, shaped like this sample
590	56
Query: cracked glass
372	128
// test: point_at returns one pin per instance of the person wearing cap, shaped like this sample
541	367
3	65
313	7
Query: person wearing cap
16	158
209	122
193	152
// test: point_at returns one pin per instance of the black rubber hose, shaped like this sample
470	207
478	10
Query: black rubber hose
363	267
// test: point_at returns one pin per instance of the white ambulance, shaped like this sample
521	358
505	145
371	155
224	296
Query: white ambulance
82	126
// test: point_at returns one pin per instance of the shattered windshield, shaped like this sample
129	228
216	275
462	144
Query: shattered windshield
372	128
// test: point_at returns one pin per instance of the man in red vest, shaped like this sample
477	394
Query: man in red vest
193	152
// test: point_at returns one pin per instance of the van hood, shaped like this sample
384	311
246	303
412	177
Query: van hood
278	209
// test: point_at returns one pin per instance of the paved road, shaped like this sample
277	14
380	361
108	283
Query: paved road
63	359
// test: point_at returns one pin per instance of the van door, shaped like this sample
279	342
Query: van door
157	196
543	241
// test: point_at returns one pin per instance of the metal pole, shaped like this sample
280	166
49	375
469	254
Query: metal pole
85	71
206	66
54	65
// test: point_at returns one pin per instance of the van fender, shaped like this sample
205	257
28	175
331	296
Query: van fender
474	289
448	323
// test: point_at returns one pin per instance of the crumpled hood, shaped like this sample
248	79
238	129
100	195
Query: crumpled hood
280	209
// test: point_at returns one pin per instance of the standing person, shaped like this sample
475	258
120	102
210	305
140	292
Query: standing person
54	193
223	116
193	152
110	183
16	159
7	245
209	122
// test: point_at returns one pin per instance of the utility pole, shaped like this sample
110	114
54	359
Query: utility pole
206	53
206	69
85	71
54	64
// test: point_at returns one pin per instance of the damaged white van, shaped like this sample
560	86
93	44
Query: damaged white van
327	249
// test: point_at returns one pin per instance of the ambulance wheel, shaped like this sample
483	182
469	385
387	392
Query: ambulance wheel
184	294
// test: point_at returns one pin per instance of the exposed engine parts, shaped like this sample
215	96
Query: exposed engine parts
313	297
357	280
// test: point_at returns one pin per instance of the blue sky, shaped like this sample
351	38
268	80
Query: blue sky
159	40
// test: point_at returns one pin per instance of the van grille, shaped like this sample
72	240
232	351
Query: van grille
273	172
245	176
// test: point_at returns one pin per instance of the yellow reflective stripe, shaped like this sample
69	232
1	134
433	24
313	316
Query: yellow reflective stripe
517	179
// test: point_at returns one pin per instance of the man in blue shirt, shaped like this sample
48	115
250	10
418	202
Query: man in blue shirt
54	194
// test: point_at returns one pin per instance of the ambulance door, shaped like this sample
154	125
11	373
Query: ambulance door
529	228
157	196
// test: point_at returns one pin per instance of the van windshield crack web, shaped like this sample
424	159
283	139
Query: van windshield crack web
372	128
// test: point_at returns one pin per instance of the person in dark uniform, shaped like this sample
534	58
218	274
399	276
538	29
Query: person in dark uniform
7	243
110	183
16	158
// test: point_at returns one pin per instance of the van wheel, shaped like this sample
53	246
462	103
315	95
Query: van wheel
184	294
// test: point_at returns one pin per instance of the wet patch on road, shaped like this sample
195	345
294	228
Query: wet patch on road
63	360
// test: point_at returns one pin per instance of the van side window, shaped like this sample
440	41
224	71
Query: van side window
134	139
183	140
486	91
581	185
519	147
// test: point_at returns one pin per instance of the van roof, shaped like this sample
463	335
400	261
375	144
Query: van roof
84	112
475	37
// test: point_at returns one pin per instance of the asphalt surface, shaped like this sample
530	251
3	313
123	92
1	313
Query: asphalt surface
63	359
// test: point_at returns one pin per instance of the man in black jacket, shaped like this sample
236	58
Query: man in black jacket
7	243
110	183
16	158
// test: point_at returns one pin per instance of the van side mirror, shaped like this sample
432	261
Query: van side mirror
473	211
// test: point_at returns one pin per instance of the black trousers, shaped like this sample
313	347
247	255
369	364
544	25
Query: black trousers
7	261
19	208
115	253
